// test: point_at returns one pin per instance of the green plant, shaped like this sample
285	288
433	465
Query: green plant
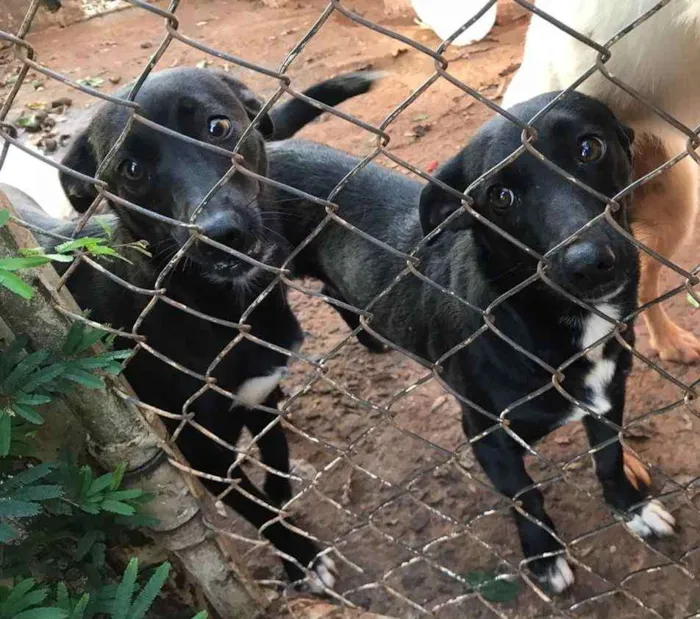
58	519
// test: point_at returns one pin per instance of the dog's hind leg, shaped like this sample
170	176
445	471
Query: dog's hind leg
253	505
663	216
502	460
351	319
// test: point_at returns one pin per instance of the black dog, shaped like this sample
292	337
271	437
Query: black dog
168	177
541	209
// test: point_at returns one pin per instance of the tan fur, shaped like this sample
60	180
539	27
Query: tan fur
660	60
663	217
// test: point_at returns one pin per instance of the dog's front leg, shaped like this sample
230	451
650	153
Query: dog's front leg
647	519
502	460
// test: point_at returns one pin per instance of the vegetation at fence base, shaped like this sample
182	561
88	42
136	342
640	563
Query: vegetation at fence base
493	587
59	519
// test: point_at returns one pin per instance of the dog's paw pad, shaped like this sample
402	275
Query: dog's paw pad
323	575
652	520
559	576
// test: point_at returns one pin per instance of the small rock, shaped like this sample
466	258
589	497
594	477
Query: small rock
62	102
419	521
50	145
146	45
115	79
49	121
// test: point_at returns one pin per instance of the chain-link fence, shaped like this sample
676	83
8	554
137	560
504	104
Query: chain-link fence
384	483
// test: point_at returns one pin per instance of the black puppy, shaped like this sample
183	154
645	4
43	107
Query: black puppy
541	209
169	178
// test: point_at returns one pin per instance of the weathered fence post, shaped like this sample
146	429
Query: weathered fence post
118	433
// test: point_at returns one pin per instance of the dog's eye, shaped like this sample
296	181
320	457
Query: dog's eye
590	149
132	170
219	127
500	197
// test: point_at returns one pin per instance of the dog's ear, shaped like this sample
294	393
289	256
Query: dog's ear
81	158
436	204
626	138
251	103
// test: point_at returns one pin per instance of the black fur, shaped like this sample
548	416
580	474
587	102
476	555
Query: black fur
176	177
479	265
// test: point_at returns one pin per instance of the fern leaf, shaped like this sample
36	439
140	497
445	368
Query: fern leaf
148	594
125	591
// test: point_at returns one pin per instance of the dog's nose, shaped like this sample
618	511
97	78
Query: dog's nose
588	264
231	235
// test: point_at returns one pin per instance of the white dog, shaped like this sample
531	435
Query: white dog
660	59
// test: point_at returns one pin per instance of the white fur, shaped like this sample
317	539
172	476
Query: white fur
254	390
653	519
600	375
37	179
659	58
323	575
560	576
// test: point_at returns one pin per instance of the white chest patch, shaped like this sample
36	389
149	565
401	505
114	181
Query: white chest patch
600	375
255	390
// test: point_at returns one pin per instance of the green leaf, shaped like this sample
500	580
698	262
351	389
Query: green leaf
29	475
125	591
124	495
15	284
118	476
27	413
85	480
23	369
43	376
13	601
80	607
7	533
692	301
59	257
5	434
75	334
92	82
62	597
85	544
4	217
18	509
101	484
492	587
117	507
42	613
26	262
85	379
33	598
32	400
148	594
201	615
43	492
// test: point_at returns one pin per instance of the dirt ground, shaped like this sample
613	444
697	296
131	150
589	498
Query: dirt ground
396	505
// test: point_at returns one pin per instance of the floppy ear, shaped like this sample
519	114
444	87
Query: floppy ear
626	138
436	205
81	158
251	103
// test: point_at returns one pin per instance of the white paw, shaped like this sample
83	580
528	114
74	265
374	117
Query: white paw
653	519
559	576
323	575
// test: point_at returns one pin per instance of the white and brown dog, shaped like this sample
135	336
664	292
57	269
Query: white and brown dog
659	59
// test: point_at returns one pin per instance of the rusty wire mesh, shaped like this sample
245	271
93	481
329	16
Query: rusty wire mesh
376	583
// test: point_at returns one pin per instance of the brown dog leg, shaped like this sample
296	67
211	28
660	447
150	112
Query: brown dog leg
663	215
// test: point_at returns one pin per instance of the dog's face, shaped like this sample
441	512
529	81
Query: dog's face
168	176
539	207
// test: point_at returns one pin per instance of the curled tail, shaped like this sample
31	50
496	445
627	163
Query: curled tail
291	116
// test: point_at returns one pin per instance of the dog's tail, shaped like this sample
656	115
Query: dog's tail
290	117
